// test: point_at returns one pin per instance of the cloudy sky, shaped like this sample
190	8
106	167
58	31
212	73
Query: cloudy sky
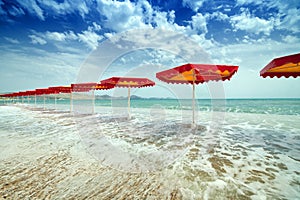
48	43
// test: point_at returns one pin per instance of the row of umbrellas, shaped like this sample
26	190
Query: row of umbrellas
185	74
106	84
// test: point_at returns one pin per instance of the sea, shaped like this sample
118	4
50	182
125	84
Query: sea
102	149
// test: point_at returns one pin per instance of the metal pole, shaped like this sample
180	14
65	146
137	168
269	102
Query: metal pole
35	100
93	101
28	100
22	99
55	102
44	101
129	103
193	123
71	102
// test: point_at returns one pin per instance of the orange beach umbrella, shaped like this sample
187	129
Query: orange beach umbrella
284	66
195	74
128	82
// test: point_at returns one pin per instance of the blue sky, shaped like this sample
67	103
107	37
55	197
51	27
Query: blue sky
46	43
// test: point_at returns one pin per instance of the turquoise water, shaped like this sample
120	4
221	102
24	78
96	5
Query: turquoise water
258	106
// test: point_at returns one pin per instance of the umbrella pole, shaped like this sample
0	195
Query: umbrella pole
193	122
35	100
93	101
128	103
44	101
22	99
54	101
71	102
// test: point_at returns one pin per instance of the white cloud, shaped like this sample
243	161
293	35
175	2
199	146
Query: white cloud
246	2
291	39
121	16
164	19
252	24
199	23
37	40
65	7
56	36
287	17
126	15
12	40
82	8
59	8
38	8
96	26
203	42
32	7
16	11
291	21
219	16
2	11
193	4
89	37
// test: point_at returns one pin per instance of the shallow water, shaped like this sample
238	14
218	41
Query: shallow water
257	106
155	155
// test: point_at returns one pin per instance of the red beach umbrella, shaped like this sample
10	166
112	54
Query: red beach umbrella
62	89
195	74
86	87
284	66
83	87
58	90
128	82
30	93
43	91
21	94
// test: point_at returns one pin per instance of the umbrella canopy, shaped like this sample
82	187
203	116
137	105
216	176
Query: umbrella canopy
128	82
43	91
101	86
82	87
284	66
59	89
85	87
195	74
